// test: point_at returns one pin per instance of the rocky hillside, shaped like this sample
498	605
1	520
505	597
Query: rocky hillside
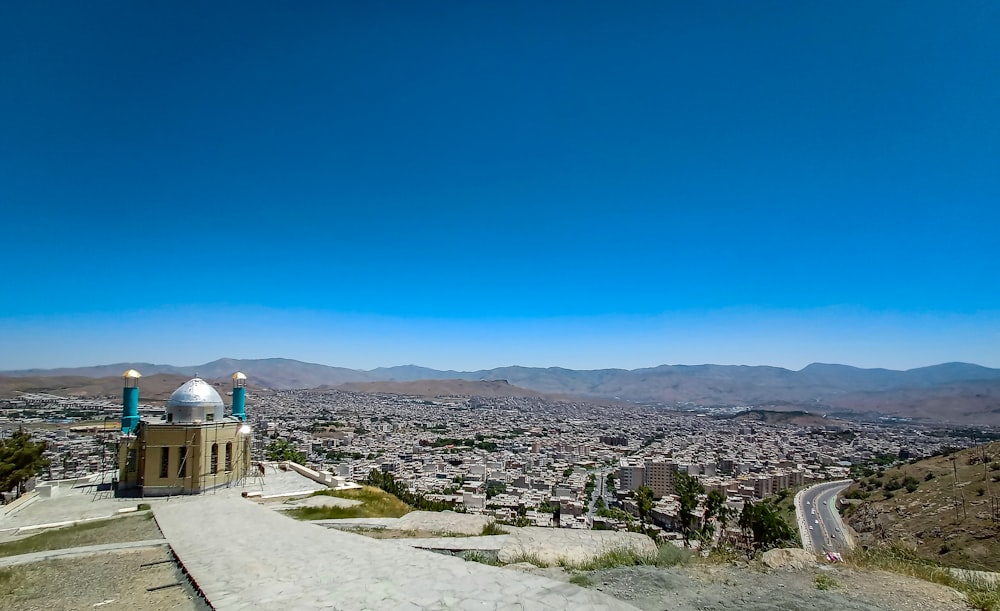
945	508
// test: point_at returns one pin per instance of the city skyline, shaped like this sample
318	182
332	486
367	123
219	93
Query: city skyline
468	187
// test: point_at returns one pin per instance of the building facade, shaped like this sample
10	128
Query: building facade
195	447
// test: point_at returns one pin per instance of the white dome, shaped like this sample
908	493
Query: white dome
194	400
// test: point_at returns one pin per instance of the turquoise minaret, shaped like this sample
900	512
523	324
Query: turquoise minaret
130	401
240	396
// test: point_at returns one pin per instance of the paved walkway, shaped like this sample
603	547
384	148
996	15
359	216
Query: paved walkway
243	556
84	550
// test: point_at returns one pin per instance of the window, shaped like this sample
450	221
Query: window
210	416
229	456
182	470
164	463
215	458
170	417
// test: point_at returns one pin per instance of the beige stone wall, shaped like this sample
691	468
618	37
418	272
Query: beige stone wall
200	470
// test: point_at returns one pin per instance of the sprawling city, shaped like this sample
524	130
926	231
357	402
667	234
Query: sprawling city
500	306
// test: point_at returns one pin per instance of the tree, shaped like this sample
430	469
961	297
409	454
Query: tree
764	528
495	488
688	490
282	450
609	481
20	460
644	501
715	508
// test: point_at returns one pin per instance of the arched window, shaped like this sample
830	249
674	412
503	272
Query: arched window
229	456
215	458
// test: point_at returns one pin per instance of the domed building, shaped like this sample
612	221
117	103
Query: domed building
192	448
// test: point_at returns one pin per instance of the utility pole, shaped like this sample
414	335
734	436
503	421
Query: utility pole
954	487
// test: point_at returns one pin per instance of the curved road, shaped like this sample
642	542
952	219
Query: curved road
816	507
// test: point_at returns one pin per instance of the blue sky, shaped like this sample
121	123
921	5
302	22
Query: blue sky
469	185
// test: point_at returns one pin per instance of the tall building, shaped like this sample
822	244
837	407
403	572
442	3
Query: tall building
630	476
194	447
660	477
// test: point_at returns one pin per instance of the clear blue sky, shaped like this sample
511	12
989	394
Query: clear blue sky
469	184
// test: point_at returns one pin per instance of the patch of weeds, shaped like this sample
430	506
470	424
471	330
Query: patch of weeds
94	532
986	600
669	554
143	507
980	593
581	580
492	528
825	582
375	503
481	558
530	558
611	559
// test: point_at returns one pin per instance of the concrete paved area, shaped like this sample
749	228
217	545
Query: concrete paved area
243	556
84	550
78	501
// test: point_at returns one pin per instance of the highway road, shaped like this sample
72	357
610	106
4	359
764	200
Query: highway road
818	507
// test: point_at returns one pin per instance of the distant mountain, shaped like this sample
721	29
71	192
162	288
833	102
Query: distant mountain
444	388
268	373
956	392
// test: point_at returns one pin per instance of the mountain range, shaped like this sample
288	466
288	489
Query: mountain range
954	392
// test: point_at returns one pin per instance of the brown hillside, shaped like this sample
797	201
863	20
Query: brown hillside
797	418
154	388
951	514
444	388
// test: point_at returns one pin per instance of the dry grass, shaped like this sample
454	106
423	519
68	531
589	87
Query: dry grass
86	582
375	503
136	527
979	593
946	515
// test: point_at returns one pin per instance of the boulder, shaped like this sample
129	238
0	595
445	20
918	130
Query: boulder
788	558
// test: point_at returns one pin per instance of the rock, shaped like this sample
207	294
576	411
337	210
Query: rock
792	559
570	546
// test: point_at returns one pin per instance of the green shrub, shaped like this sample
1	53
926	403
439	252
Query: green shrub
530	558
669	554
825	582
480	557
611	559
492	528
581	580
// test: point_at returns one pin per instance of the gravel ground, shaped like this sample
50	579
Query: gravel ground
113	580
110	580
743	588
